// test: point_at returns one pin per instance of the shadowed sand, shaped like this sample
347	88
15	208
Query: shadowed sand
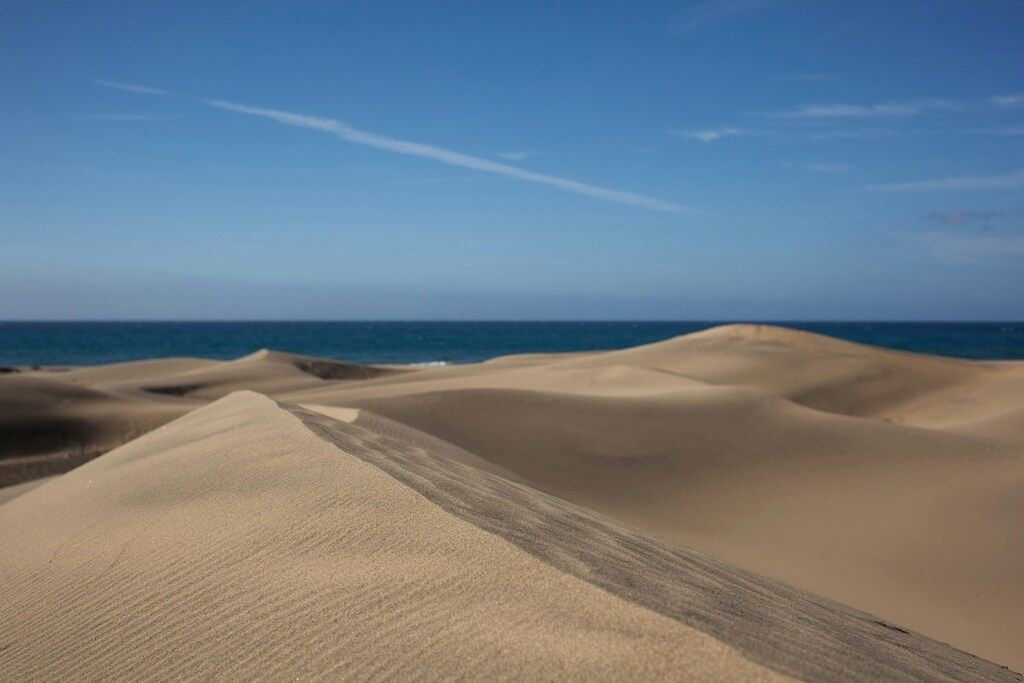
891	482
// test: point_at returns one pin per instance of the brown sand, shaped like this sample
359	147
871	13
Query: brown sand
891	482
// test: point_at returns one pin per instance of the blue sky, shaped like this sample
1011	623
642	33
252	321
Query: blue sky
731	159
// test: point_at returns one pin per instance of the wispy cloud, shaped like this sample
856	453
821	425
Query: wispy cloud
1008	100
956	217
705	14
967	249
787	133
118	117
971	235
436	181
807	77
846	110
131	87
356	136
839	110
1009	181
708	135
828	168
517	154
1009	131
853	121
847	134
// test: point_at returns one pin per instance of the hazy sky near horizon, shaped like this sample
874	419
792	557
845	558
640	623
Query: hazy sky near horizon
724	159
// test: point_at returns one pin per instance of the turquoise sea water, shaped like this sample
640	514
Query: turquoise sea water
80	343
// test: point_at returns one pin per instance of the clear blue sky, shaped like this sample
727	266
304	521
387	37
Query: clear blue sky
732	159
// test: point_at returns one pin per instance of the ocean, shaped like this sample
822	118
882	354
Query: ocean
87	343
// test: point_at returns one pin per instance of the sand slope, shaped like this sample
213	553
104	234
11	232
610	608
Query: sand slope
51	421
377	558
235	542
49	424
919	526
891	482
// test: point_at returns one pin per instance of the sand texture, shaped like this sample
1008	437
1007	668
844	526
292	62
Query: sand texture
748	502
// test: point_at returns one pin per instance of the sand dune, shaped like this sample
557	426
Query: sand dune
174	564
379	559
888	481
52	421
49	424
265	371
879	516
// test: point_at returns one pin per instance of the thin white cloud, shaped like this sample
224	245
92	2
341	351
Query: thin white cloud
131	87
118	117
1009	181
882	110
806	77
1012	130
707	14
967	249
708	135
446	156
516	154
847	134
828	168
960	216
348	133
436	181
1008	131
1007	100
839	110
843	120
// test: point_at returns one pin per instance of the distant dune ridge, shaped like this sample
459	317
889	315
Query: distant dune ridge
641	512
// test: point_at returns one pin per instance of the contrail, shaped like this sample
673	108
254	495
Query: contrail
1010	181
117	85
445	156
